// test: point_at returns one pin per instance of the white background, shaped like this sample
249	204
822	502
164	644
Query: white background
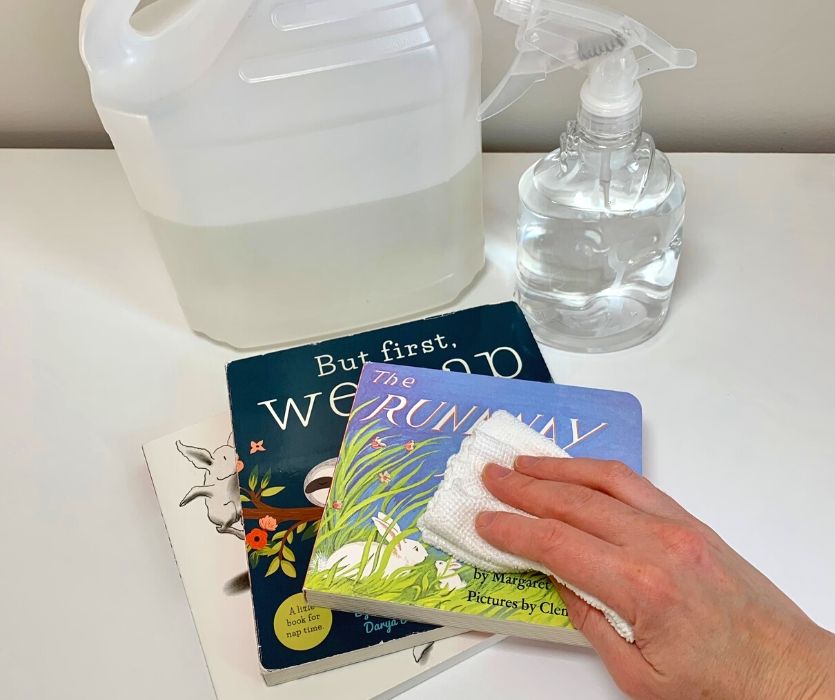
96	359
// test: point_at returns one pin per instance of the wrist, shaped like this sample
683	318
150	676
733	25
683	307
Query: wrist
821	684
788	659
809	669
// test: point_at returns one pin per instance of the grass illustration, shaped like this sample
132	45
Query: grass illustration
421	586
384	472
386	479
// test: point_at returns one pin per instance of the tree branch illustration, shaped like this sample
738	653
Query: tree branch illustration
282	515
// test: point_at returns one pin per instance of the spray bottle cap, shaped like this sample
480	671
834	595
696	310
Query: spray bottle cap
554	34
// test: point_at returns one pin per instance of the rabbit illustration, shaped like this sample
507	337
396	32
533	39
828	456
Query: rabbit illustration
220	485
405	554
448	576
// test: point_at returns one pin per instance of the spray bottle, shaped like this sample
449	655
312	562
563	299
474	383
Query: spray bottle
601	218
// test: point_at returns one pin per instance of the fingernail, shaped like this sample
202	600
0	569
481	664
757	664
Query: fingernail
495	471
484	519
524	462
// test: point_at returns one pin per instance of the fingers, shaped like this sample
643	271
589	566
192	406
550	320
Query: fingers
591	511
624	662
612	478
575	556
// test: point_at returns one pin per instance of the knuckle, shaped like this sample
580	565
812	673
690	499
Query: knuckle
615	471
683	541
525	487
577	498
497	532
549	539
500	528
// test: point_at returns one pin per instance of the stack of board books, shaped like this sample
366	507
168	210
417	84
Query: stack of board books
251	514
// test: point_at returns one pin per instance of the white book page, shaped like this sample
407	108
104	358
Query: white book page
213	568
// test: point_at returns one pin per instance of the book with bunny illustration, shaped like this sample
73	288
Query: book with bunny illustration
289	413
213	568
384	541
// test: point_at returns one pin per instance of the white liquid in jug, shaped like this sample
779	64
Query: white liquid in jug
426	247
310	168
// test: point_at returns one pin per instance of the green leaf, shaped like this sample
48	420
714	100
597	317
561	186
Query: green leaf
288	554
288	569
253	479
244	499
272	491
301	527
309	534
266	480
273	567
278	535
290	538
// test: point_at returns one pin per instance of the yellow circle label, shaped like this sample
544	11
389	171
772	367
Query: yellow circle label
300	627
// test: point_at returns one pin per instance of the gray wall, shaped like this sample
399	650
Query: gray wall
765	82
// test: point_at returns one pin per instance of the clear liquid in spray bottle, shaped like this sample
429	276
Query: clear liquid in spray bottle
601	218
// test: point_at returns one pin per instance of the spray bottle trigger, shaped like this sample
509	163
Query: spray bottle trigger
652	63
528	69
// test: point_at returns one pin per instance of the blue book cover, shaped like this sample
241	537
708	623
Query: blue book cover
289	412
405	426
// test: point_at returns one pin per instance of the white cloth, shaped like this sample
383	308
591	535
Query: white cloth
449	520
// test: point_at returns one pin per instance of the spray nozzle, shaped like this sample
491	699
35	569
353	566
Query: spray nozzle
555	34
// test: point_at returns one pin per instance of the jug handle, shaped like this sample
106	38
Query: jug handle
129	68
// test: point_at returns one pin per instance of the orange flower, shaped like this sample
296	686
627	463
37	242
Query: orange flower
384	478
256	447
410	446
336	505
257	539
269	523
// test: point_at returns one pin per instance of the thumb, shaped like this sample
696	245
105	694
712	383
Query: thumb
624	661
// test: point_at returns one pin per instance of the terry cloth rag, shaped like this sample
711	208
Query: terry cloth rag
449	520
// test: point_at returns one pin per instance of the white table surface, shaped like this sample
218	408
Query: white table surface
96	358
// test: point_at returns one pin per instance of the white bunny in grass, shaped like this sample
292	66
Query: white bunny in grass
448	575
405	553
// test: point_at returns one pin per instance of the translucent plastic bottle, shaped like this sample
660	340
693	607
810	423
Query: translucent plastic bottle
308	167
599	240
601	218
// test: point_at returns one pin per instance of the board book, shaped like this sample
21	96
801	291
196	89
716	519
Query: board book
405	425
289	412
213	569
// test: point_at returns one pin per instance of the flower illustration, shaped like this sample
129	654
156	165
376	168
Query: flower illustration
410	446
257	539
336	505
384	478
377	443
256	447
268	523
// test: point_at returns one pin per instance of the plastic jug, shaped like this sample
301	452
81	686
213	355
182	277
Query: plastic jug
309	166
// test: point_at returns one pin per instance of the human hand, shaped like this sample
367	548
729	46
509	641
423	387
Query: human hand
707	623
